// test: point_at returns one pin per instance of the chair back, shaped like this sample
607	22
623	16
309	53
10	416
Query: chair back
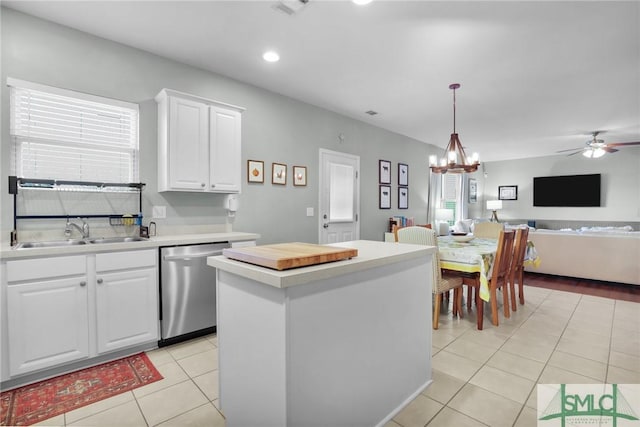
504	255
396	228
419	235
488	230
520	248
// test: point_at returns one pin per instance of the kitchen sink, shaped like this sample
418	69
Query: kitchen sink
117	239
72	242
51	244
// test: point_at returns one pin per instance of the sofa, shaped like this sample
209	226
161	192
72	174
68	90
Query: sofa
611	255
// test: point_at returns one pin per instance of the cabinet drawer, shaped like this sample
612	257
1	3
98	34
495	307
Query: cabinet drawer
126	259
41	268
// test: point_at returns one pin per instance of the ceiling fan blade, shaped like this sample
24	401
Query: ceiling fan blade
570	149
573	154
618	144
609	149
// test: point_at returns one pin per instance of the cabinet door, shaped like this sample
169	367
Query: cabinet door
225	150
127	308
188	145
47	323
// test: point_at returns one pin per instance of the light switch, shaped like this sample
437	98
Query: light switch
159	212
309	211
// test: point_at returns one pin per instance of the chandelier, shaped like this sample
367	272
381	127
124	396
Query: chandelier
455	160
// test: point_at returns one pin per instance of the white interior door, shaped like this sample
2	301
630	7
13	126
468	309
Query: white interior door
339	207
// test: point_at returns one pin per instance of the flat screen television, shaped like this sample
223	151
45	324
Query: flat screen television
567	190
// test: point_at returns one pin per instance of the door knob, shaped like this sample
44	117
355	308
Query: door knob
99	281
325	225
83	283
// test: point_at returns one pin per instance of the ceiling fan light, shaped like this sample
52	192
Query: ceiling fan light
598	152
588	153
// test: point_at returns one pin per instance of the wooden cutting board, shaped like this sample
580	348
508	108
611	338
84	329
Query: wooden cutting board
284	256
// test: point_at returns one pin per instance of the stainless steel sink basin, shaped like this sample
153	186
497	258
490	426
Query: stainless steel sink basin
51	244
71	242
117	239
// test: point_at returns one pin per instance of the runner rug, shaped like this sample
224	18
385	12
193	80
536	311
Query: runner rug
45	399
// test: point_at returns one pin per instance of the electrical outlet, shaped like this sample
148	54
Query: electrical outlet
309	211
159	212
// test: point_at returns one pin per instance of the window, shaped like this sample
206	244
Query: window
451	195
66	135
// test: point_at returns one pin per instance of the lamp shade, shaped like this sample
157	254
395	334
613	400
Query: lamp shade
444	214
494	205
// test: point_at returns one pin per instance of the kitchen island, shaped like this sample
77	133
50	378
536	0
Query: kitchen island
341	343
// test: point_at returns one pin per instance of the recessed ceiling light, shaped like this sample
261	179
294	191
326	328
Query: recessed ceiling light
361	2
271	56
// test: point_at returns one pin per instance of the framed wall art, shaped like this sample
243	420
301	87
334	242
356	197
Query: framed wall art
255	171
300	176
473	190
384	172
385	197
403	198
278	173
403	174
508	192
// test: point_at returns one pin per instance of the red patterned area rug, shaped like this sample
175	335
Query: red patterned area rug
45	399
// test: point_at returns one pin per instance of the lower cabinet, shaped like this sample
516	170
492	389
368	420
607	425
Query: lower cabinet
126	300
64	309
47	323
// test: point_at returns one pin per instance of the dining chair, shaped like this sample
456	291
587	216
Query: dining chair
517	266
499	278
396	228
487	230
419	235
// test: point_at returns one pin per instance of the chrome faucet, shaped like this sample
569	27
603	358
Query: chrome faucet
84	230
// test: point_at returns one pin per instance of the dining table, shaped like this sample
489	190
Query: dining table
475	256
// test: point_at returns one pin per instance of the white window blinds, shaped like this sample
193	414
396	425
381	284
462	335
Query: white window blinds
66	135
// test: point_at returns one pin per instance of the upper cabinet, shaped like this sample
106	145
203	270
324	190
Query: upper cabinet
199	144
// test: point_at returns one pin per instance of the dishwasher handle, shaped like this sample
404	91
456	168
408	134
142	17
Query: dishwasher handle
191	257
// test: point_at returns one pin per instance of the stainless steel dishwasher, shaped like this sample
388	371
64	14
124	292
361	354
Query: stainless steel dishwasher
187	291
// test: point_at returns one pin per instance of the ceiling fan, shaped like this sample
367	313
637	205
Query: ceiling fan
597	147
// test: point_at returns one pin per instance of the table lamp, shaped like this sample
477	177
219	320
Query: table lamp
494	205
443	216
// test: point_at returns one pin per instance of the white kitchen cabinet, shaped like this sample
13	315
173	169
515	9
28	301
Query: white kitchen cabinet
68	308
199	144
126	299
47	313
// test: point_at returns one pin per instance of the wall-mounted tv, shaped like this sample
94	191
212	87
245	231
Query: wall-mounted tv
567	190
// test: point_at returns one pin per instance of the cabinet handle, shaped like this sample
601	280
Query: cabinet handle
213	185
99	281
202	185
83	283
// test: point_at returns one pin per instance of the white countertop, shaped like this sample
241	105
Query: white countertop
370	255
154	242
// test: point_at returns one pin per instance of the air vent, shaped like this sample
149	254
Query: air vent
290	7
371	112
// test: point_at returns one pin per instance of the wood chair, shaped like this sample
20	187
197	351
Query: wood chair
487	230
499	278
441	283
517	266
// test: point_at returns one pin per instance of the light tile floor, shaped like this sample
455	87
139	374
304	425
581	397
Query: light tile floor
481	378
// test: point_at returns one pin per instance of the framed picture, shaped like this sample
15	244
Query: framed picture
278	173
508	192
403	198
385	171
300	176
385	197
255	171
473	190
403	174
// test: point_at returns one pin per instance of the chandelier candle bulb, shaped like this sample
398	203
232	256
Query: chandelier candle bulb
433	160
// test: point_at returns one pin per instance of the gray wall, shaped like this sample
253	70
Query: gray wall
620	193
275	129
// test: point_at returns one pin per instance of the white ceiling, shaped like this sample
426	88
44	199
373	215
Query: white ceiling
536	76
